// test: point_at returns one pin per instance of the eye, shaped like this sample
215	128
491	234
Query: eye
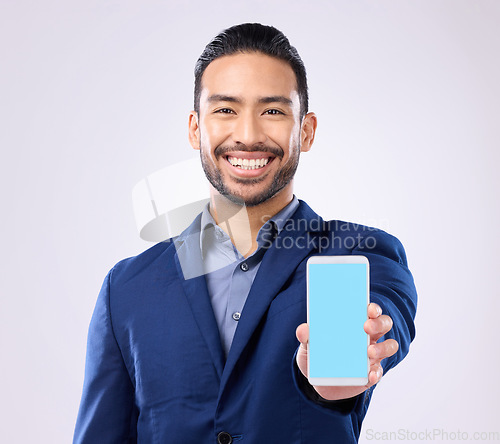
273	112
224	111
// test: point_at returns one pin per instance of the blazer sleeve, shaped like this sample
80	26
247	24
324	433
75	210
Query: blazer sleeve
107	408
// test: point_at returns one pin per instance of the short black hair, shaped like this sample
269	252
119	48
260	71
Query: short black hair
253	37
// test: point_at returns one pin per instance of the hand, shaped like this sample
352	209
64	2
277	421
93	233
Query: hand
376	326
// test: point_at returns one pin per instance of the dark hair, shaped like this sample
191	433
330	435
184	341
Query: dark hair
253	37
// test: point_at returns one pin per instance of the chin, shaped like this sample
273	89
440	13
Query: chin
251	199
247	201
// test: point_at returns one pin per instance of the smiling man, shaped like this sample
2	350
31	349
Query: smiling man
202	338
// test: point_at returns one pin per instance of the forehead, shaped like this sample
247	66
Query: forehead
247	75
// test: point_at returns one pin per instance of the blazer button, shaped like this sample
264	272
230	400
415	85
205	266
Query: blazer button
224	438
244	266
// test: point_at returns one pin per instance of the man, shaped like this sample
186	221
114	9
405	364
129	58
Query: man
195	340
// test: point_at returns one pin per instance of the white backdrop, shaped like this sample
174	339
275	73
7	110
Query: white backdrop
95	96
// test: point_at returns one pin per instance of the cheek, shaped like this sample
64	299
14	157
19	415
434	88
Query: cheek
295	136
213	134
287	137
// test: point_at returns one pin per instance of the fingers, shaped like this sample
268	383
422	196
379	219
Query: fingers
302	334
378	327
374	310
382	350
375	374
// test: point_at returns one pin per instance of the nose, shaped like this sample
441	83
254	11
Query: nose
248	130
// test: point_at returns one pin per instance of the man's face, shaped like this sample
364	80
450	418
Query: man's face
248	128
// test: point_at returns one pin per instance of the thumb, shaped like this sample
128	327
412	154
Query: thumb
302	334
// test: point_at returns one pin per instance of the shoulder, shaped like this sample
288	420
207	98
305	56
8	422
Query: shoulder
344	237
367	239
154	260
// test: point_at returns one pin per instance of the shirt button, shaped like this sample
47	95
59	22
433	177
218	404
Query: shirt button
244	266
224	438
236	315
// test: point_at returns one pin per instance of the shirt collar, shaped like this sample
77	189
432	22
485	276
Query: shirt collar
275	223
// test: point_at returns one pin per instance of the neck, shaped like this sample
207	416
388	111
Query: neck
243	223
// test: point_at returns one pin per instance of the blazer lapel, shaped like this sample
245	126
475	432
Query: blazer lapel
190	268
277	265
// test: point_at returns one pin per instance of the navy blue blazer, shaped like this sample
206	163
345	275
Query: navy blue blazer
155	370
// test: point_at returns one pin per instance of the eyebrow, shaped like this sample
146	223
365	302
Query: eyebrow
267	99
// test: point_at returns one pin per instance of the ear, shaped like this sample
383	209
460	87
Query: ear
194	130
308	131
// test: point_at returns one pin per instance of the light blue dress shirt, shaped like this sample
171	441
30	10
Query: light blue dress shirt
228	274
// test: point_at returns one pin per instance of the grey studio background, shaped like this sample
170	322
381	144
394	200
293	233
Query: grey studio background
95	96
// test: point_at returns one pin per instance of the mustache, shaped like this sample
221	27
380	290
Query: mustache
224	151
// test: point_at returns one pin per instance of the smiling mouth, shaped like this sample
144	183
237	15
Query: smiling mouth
249	164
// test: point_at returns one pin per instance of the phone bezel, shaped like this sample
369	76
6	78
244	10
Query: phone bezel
341	259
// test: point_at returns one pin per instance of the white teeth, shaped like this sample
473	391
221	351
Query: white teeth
248	164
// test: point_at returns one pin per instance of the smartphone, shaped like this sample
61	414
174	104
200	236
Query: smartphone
338	294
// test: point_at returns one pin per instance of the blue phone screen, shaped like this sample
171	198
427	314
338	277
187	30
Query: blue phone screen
337	312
